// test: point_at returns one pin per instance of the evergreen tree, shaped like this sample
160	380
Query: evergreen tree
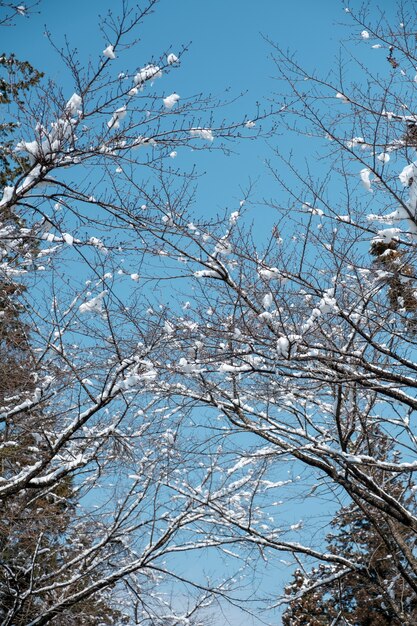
36	524
16	79
373	594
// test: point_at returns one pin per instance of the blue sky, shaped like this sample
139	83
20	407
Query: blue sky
227	52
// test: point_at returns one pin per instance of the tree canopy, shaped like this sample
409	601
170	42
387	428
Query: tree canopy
169	381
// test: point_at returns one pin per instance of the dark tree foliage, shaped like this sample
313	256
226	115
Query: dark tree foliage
373	594
35	525
16	80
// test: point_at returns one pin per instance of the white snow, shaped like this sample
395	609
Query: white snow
223	247
202	133
31	147
173	154
7	195
354	142
189	368
109	52
97	243
136	378
226	367
149	375
69	239
74	104
408	174
408	177
364	174
266	315
313	210
283	346
172	58
388	234
267	300
384	157
169	101
118	115
148	72
49	143
327	304
365	34
95	305
269	272
342	97
249	124
206	274
168	327
234	216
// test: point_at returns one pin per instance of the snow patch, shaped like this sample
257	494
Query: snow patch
267	300
234	216
169	101
388	234
118	115
365	178
342	97
202	133
148	72
408	174
109	52
74	104
283	347
172	58
384	157
95	305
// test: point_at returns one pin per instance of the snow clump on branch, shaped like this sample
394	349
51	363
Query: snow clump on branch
364	174
172	58
109	52
95	305
148	72
169	101
118	115
202	133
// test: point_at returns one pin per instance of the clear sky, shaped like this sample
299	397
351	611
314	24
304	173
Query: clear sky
227	52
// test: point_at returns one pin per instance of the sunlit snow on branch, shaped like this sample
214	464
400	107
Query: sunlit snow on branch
118	115
384	157
74	104
342	97
365	178
109	52
95	305
169	101
149	72
202	133
172	58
